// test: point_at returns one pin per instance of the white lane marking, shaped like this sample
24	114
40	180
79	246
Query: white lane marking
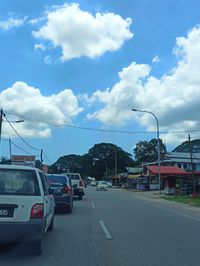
105	230
93	206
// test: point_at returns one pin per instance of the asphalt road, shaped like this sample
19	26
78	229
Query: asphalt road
116	228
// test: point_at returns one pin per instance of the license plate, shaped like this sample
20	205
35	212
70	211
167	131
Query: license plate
6	213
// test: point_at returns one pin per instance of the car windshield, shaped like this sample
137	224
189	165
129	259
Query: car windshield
18	182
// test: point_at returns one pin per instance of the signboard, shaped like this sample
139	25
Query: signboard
23	160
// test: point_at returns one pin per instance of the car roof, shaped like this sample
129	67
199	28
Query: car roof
18	167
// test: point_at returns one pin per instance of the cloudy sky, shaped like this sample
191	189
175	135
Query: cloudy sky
74	70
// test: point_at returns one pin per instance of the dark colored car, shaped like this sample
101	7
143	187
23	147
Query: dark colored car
61	187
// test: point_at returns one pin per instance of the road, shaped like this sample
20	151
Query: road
117	228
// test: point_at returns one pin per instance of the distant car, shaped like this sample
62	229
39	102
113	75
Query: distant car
61	187
77	184
102	185
93	183
26	206
109	184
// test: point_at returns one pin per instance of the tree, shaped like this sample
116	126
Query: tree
68	163
148	151
101	157
4	160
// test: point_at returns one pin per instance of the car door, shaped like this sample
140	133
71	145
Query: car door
48	200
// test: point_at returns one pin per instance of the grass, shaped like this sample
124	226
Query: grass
184	199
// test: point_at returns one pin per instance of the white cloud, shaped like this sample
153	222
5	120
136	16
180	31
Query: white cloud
48	59
35	21
156	59
23	99
174	98
79	33
11	23
39	46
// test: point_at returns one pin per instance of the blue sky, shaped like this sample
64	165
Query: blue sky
85	64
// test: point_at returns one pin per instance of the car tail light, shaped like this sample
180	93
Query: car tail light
37	211
81	184
68	190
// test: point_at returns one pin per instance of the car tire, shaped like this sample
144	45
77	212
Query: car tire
37	247
80	197
51	226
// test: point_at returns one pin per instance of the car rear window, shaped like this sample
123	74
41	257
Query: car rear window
75	177
19	182
57	179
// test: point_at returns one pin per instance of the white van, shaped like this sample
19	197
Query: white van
77	184
26	205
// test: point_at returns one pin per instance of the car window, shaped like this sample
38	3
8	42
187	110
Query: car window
18	182
57	179
75	177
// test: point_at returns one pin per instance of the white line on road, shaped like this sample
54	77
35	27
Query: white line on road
105	230
93	206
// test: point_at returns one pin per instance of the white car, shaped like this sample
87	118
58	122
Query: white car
102	185
26	206
77	184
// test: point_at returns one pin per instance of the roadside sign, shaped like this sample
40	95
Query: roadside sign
23	160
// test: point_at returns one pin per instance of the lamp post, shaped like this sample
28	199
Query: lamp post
157	127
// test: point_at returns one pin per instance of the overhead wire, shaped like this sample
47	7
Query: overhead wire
36	149
103	130
21	148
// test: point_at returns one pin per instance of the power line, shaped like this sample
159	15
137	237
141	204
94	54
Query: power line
47	157
21	148
103	130
20	136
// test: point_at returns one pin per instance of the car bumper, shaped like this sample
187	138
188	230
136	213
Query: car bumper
26	231
78	191
62	202
102	188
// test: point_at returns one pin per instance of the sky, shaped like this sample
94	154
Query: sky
73	71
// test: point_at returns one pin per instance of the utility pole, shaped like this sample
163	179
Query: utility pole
41	156
191	158
1	120
115	168
10	149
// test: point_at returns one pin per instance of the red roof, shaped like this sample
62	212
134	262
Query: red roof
167	170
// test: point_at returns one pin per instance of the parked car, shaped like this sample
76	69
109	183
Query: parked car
102	185
77	184
26	206
61	187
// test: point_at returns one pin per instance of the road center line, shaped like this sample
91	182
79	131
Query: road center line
93	206
105	230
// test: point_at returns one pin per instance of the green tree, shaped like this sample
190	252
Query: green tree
4	160
68	163
101	157
148	151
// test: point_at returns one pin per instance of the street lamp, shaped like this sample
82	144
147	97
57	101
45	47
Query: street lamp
157	126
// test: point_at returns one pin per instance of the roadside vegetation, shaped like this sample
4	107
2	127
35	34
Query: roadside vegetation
183	199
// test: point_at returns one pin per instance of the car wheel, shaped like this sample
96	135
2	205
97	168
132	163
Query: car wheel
80	197
51	226
37	247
